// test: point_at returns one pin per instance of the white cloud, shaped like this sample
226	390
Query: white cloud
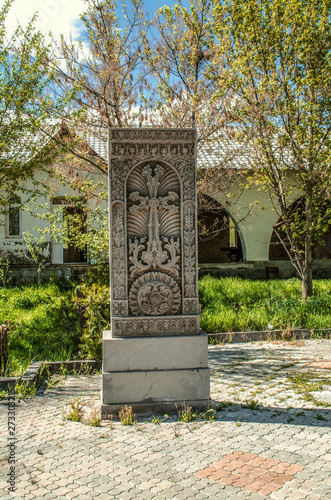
57	16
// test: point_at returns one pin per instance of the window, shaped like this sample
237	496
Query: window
14	217
72	218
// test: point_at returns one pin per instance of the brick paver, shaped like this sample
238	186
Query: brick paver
250	472
270	439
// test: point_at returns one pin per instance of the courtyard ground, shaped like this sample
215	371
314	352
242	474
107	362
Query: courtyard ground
270	438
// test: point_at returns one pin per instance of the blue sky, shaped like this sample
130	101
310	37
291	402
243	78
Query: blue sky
60	16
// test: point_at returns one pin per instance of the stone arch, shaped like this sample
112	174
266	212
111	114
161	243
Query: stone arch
219	239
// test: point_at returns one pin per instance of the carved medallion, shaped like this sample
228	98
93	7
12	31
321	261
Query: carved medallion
154	294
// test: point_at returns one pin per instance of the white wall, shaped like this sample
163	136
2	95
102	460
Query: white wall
255	213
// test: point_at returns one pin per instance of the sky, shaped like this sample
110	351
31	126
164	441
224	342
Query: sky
58	16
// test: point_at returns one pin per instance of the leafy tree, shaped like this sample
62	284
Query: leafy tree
106	68
179	51
29	112
106	72
277	60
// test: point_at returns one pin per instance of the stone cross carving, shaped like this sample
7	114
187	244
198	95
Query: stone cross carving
154	255
153	226
153	202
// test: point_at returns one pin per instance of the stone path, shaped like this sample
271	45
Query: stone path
270	438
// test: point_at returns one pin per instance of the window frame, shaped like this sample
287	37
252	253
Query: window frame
16	203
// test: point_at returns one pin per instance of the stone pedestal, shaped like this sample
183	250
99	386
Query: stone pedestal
155	358
154	374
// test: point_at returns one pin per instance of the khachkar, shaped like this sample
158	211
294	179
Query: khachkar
155	355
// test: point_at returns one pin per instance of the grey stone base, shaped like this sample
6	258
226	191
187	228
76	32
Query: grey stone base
154	353
152	373
155	386
154	408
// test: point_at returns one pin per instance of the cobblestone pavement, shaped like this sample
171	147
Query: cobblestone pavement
270	438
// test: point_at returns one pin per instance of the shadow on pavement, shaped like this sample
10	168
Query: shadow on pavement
320	417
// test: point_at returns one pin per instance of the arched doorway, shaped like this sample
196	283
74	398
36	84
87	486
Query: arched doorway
219	239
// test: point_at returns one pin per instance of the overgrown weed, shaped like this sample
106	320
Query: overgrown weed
23	389
126	416
74	410
94	419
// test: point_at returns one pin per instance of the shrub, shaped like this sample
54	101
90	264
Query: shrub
95	300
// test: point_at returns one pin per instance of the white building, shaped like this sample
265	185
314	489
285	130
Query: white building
243	244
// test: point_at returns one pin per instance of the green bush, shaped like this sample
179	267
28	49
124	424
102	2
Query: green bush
95	301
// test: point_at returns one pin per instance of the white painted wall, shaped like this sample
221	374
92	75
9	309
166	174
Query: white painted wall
255	213
252	210
32	221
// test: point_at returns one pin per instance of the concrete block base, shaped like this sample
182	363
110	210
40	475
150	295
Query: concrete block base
146	409
154	375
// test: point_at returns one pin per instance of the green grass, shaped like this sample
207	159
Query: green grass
43	322
235	304
42	325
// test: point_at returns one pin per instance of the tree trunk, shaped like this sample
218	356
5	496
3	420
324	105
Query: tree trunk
307	278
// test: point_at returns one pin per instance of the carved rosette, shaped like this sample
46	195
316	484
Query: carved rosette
190	306
119	307
154	294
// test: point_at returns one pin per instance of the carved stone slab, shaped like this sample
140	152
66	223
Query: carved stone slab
153	242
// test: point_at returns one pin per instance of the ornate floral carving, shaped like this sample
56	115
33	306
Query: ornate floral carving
186	170
155	251
119	308
149	150
119	171
151	256
118	254
190	306
154	294
136	327
189	253
152	135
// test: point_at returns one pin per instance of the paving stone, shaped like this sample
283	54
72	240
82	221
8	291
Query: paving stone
161	461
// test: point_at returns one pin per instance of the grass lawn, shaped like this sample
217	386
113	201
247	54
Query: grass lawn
43	323
235	304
